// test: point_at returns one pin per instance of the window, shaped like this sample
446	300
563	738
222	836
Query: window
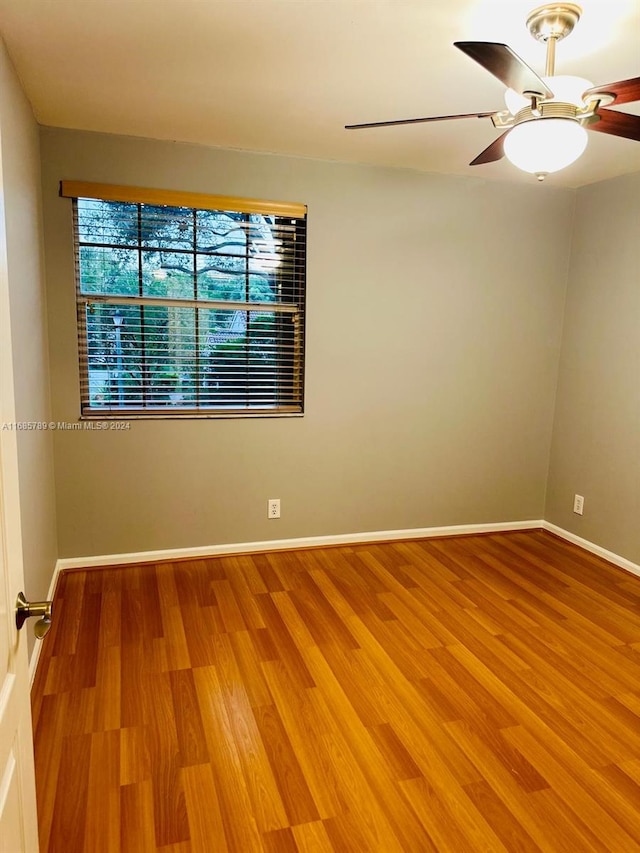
188	305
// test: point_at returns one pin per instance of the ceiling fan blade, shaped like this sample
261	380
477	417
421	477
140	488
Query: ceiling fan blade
624	91
506	65
416	120
492	152
617	124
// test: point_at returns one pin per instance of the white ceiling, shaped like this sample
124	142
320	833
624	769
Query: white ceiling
285	76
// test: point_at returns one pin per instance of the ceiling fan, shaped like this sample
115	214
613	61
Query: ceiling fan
545	122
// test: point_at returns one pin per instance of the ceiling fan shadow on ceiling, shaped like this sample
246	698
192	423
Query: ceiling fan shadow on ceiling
544	126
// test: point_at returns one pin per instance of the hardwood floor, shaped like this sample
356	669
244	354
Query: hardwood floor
470	694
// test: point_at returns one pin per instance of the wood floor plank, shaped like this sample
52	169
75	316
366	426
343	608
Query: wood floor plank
408	656
265	579
59	676
133	666
563	829
69	813
293	620
240	825
288	774
400	701
394	753
246	656
135	764
477	693
241	590
505	824
298	719
379	782
528	705
312	838
203	623
137	833
463	675
232	617
580	647
286	568
248	565
81	711
86	655
102	824
488	754
192	744
206	825
108	699
151	597
49	738
411	622
348	833
109	633
318	615
557	685
70	597
632	769
264	794
355	683
175	644
576	796
443	822
279	841
357	583
284	644
486	746
439	757
161	735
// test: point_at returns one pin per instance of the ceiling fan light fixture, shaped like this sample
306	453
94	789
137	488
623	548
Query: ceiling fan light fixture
545	145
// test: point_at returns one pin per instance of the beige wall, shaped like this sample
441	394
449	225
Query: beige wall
20	151
433	343
596	443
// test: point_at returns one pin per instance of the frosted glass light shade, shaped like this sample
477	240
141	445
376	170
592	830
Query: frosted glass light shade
545	145
566	89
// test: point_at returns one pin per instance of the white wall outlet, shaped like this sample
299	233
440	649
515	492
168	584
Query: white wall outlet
578	504
273	508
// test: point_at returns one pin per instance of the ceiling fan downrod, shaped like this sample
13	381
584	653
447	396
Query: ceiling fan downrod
550	24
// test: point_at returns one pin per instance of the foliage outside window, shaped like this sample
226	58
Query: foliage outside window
188	310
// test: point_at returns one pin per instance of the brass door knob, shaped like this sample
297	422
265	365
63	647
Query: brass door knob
42	609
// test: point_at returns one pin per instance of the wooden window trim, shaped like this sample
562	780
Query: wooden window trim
173	198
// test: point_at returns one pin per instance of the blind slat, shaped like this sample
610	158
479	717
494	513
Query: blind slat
219	304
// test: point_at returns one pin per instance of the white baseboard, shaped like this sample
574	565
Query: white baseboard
35	654
621	562
105	561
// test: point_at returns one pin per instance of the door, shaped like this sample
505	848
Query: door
18	817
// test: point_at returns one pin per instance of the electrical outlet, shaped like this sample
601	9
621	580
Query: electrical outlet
578	504
273	508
